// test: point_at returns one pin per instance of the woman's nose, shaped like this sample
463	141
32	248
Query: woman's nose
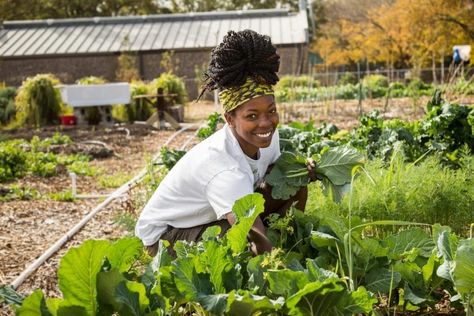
265	121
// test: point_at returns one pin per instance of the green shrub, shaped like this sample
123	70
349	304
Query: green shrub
347	78
375	81
296	81
7	105
139	109
171	84
12	160
38	102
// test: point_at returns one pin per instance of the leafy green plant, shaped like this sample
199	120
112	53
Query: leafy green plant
113	181
334	166
172	85
15	192
38	102
212	122
7	105
63	196
170	157
13	160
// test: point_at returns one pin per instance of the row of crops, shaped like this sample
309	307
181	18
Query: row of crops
307	89
398	241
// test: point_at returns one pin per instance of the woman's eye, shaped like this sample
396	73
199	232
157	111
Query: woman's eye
252	116
273	111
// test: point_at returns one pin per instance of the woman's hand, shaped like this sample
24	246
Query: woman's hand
311	166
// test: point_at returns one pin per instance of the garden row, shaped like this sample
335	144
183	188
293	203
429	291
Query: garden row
306	89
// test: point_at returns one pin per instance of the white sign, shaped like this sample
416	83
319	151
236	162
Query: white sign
99	94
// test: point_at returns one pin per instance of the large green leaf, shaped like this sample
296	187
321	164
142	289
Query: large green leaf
68	310
463	272
107	282
78	274
243	303
382	280
316	298
218	261
286	282
337	163
214	303
316	273
33	305
445	248
320	240
406	240
246	210
189	282
132	296
123	253
357	302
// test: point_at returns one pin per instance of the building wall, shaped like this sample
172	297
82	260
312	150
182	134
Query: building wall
186	64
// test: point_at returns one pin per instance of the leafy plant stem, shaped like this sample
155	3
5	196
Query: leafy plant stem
390	290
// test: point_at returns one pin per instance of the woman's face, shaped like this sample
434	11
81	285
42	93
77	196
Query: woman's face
253	124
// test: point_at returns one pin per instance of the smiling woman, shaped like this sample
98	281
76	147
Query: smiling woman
202	187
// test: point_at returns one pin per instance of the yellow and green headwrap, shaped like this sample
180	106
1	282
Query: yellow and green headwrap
234	97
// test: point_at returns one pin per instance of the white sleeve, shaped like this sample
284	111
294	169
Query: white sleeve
225	188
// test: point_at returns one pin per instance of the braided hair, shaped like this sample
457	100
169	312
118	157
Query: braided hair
241	55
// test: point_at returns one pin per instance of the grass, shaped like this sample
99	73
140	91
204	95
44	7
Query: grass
113	181
424	193
63	196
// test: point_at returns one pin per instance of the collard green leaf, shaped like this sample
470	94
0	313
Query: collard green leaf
316	298
68	310
463	272
189	282
246	210
218	260
334	166
34	305
406	240
123	253
414	297
129	300
78	274
320	240
214	303
357	302
447	252
382	280
316	273
255	272
107	282
132	296
244	303
286	282
337	163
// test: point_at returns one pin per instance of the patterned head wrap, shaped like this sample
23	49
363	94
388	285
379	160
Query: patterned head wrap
232	98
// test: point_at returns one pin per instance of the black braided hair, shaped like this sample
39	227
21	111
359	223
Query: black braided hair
240	55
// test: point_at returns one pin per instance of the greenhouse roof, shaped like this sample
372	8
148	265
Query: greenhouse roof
146	33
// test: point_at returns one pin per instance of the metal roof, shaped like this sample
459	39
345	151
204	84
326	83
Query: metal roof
145	33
